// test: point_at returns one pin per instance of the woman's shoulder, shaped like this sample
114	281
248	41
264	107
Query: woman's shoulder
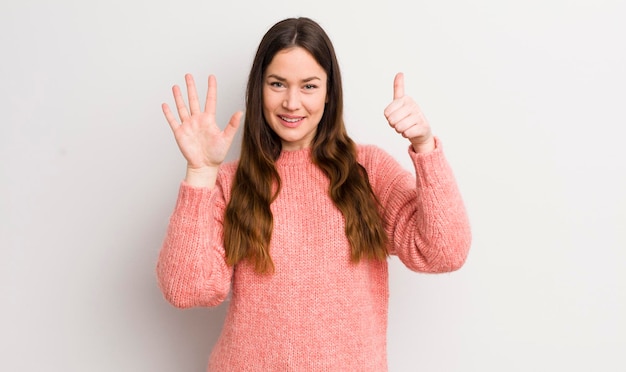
370	155
368	149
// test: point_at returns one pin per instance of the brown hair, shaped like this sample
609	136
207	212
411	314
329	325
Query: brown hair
248	220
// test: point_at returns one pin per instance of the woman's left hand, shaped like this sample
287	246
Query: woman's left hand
405	116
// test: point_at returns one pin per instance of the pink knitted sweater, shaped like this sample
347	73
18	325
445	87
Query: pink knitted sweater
318	311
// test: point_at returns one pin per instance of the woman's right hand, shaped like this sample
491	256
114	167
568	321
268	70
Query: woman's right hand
203	144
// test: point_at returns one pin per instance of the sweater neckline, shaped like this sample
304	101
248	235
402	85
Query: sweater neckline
294	157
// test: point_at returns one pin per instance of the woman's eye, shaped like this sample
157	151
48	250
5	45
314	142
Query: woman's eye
310	86
276	84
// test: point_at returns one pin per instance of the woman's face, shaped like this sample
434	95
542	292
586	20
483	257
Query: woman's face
294	97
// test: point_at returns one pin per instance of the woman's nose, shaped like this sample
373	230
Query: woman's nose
292	100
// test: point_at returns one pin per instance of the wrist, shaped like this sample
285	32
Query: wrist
202	176
421	145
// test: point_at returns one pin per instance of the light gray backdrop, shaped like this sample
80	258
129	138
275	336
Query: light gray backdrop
527	97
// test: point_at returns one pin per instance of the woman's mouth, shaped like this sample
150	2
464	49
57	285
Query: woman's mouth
290	122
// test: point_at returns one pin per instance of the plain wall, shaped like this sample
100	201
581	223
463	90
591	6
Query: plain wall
526	96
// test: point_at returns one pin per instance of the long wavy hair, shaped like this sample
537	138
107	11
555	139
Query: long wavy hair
248	221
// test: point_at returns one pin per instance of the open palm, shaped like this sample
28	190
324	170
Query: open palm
201	141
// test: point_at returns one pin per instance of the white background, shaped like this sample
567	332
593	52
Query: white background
527	97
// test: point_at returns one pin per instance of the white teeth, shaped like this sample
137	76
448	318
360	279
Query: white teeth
290	120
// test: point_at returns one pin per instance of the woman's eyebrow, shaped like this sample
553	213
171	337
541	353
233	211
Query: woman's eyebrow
280	78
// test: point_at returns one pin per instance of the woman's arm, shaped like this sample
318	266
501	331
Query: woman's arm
424	214
191	268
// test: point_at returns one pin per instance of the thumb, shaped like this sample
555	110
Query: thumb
398	86
233	124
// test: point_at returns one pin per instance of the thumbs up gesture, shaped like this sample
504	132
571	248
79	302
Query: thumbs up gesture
405	116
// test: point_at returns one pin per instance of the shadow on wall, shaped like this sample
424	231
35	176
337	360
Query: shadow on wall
185	336
188	336
144	331
128	325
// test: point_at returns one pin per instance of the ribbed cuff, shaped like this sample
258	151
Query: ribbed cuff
193	200
431	168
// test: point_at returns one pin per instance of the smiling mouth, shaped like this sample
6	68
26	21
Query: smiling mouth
290	120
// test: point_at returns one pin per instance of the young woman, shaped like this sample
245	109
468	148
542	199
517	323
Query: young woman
298	230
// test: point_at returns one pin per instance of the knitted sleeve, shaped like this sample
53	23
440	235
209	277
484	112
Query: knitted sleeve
424	214
191	267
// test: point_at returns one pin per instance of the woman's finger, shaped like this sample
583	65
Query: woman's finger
169	116
211	97
398	86
396	112
183	114
233	124
192	94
